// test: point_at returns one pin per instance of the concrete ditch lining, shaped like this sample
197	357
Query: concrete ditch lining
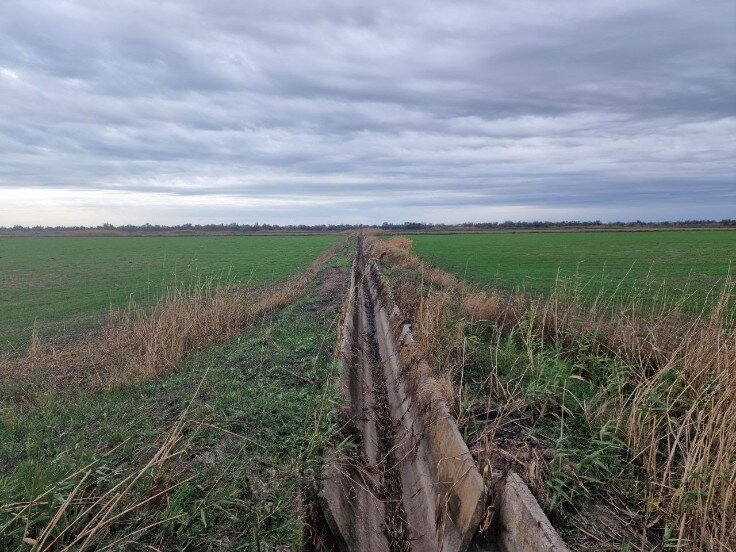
411	484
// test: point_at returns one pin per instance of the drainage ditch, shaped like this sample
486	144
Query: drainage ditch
410	483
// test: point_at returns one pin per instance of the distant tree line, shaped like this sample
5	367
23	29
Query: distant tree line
530	225
235	228
541	224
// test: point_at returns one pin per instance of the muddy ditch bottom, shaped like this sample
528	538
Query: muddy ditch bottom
410	483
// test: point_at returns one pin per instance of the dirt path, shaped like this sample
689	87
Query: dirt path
330	287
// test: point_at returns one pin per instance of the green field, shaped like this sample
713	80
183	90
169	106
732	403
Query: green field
640	265
64	285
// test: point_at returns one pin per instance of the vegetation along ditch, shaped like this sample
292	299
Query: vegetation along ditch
618	419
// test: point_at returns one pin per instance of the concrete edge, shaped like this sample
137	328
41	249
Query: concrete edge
458	482
523	525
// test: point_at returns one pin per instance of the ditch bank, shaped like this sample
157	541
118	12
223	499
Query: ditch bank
408	481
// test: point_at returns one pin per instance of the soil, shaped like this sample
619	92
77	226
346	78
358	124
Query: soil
330	285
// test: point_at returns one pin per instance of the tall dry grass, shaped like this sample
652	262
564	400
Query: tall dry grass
678	410
142	341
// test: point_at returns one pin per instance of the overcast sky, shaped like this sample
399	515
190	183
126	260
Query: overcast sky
366	111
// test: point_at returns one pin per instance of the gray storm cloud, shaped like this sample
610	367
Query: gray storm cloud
364	112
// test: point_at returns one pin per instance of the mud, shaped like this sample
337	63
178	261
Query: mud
330	285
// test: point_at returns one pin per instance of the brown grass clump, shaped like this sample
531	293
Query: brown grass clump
367	232
398	250
142	342
424	383
477	305
677	411
400	243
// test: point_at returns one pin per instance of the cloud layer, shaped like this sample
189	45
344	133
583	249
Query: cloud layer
335	111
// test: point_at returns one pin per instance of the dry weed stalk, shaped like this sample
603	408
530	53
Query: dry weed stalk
678	409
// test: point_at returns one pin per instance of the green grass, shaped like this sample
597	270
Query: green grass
63	284
566	402
264	413
680	264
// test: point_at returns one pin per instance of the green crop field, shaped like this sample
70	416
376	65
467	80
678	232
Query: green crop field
63	285
687	265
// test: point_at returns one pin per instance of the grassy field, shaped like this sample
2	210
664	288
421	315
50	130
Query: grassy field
241	421
63	285
679	264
